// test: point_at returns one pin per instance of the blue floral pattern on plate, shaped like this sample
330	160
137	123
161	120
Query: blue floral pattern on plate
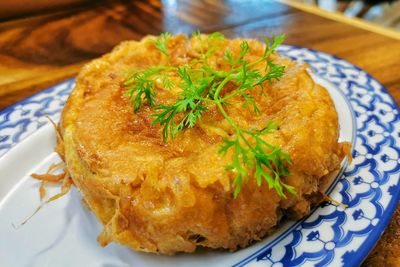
333	235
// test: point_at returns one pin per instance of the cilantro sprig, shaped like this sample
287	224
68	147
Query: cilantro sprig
202	86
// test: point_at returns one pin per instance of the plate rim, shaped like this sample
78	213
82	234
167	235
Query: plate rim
373	236
366	246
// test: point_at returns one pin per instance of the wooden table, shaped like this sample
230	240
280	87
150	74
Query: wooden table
39	51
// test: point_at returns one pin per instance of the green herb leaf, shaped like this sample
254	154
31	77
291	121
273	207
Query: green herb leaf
201	84
162	43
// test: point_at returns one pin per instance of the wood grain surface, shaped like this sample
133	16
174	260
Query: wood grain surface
38	51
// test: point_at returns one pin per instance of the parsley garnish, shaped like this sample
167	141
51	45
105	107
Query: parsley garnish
203	85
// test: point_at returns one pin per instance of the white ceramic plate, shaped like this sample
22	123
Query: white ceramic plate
64	233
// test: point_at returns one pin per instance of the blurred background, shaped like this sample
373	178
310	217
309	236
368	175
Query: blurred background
384	13
43	42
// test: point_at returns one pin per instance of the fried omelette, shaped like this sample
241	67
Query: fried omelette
169	197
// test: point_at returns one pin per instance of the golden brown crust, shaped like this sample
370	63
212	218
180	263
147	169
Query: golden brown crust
170	197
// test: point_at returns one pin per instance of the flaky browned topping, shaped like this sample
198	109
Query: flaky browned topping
203	86
170	197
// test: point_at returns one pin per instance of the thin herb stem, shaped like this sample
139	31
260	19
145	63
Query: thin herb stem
201	84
